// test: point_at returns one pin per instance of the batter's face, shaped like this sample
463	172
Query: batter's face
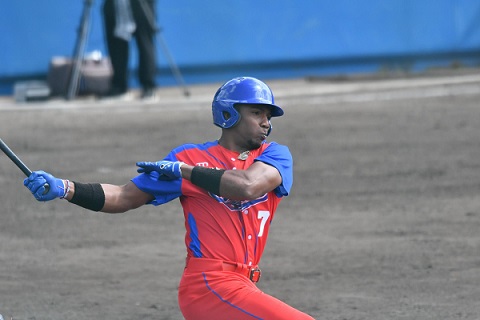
252	129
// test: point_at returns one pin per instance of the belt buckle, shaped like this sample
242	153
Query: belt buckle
255	274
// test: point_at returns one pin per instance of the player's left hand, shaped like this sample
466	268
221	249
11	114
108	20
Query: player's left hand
168	170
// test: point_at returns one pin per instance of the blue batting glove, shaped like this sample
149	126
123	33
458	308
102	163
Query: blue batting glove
37	183
168	170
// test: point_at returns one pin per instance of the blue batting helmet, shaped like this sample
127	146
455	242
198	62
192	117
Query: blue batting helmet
242	90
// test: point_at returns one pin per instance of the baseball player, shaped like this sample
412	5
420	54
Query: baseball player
229	190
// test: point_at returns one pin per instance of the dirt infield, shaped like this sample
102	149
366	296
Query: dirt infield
383	220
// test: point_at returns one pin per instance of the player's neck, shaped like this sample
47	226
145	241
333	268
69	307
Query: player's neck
231	145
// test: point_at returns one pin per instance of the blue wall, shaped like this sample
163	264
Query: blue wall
212	40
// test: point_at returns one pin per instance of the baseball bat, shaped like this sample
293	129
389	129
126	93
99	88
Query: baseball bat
18	162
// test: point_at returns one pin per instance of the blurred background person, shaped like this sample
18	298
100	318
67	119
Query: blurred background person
124	20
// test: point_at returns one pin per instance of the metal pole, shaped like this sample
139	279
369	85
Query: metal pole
79	50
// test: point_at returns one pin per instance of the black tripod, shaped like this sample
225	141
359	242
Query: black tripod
79	51
82	39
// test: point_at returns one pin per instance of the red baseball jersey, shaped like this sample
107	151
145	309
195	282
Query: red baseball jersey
216	227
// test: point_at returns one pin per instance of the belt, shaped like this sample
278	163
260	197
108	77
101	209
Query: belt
202	265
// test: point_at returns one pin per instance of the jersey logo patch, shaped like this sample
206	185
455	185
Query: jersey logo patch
239	205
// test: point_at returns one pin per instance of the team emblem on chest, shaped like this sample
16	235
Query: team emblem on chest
239	205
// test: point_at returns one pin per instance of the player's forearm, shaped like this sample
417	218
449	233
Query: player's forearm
123	198
114	202
232	184
238	185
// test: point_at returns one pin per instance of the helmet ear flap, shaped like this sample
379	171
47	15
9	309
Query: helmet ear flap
224	113
227	115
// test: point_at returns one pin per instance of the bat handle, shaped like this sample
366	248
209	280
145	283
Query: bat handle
26	171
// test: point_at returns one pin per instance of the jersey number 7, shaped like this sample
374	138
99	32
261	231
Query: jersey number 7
264	215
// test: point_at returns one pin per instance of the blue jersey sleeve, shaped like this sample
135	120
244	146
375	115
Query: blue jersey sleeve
163	190
279	156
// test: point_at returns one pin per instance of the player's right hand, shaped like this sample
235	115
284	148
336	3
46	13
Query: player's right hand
168	170
44	186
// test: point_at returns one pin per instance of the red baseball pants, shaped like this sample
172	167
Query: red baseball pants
228	295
